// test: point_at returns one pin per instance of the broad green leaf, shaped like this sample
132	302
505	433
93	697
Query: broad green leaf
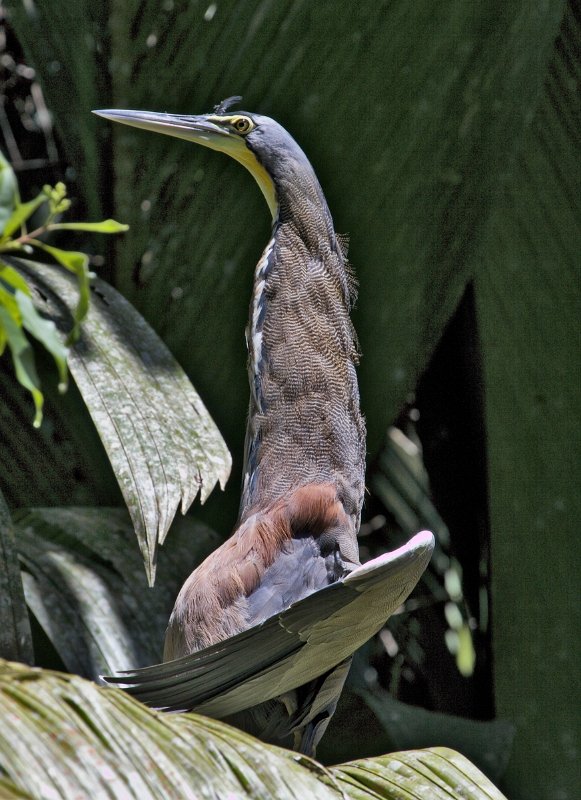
21	213
78	263
46	332
161	441
23	360
15	637
130	751
84	582
107	226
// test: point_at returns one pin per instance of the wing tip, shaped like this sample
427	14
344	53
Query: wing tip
419	548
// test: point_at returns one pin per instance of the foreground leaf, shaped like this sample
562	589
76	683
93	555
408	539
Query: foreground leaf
21	213
8	192
161	441
70	738
78	264
487	743
437	774
23	360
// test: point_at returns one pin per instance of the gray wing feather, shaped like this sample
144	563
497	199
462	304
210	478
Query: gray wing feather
297	572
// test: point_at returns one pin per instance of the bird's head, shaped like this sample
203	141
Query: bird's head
263	146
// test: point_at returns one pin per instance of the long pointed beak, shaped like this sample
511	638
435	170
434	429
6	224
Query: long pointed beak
201	131
193	129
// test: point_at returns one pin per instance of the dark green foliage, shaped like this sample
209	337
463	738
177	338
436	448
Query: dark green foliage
528	303
15	636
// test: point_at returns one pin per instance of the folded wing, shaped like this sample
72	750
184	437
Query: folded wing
288	649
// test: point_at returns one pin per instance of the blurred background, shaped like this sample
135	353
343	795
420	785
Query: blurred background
446	138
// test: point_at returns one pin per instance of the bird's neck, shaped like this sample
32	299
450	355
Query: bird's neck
304	422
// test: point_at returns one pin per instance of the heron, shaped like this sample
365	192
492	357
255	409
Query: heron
263	631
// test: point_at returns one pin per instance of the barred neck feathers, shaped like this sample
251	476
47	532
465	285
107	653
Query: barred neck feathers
304	421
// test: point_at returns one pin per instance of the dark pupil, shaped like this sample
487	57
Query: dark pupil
241	124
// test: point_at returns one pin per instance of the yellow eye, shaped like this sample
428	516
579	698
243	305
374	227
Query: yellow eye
242	124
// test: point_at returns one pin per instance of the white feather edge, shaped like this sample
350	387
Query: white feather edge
420	545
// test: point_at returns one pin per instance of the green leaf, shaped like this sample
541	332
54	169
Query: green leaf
12	280
107	226
46	332
78	263
15	636
21	213
437	774
129	750
8	191
162	443
115	622
23	360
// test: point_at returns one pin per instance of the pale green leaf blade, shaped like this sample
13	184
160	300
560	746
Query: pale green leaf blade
130	751
437	774
486	743
161	441
15	636
8	191
23	360
21	213
106	226
45	331
78	263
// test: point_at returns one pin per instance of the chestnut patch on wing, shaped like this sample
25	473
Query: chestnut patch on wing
210	606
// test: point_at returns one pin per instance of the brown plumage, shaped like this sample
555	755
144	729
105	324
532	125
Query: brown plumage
305	445
264	629
212	602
